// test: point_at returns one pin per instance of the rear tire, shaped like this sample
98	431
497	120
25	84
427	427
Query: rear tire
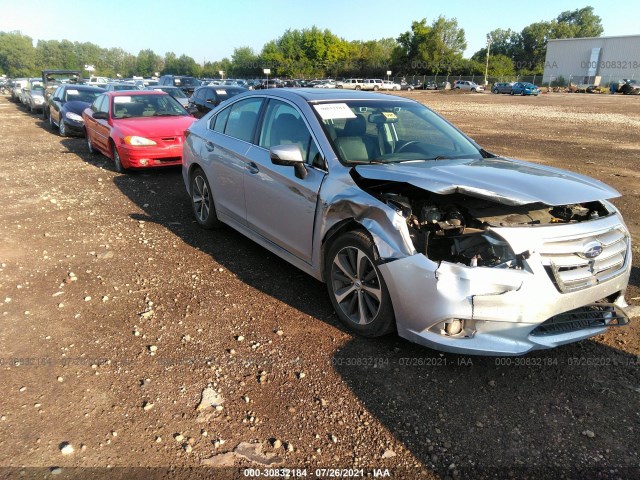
89	144
355	285
202	201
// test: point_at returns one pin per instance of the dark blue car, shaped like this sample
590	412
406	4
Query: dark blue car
66	106
524	88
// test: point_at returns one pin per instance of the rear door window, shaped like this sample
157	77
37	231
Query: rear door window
243	117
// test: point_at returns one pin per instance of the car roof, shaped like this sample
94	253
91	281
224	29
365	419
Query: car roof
84	88
315	95
222	87
129	93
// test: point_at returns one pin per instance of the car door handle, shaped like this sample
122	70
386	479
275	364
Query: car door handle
252	167
209	146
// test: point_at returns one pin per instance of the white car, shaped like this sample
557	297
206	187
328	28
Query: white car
389	85
326	84
467	85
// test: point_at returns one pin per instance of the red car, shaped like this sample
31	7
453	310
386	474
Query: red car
137	129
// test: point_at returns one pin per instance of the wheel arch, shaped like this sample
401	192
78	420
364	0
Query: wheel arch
192	168
336	231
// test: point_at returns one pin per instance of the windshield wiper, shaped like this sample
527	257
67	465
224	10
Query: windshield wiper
165	114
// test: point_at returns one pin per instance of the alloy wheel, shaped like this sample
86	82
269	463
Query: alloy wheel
356	285
201	198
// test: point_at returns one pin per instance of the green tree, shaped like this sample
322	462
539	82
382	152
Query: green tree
533	46
148	63
212	69
170	64
579	23
17	55
188	66
48	54
244	63
501	66
434	48
112	62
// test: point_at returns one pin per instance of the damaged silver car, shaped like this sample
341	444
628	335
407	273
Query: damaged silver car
413	226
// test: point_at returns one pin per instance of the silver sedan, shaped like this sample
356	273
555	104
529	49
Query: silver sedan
412	226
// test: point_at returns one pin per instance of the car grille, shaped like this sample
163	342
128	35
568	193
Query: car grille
595	315
567	264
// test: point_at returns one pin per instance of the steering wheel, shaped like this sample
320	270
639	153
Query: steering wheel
409	143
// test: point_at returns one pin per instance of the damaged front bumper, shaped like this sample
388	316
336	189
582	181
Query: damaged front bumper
504	311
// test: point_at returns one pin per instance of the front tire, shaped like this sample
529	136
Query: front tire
62	129
117	161
356	288
202	202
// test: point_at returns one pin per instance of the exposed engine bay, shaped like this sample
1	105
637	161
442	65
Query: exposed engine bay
457	228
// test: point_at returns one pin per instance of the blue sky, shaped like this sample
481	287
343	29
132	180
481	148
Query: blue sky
210	30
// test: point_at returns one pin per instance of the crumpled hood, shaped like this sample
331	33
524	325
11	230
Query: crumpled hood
506	181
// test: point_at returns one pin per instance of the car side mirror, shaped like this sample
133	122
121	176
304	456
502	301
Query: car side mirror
101	115
289	155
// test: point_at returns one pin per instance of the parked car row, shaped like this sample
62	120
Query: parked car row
412	226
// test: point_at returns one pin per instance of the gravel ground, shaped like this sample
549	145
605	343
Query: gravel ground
136	345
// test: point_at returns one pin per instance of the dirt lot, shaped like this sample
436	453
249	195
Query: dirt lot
118	312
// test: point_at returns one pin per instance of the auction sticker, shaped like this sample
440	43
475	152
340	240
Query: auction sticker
330	111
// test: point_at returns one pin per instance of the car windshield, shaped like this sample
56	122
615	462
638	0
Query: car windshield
188	81
135	106
125	86
173	91
383	131
226	93
75	95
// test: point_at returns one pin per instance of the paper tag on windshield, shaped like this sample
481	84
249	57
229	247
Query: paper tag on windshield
73	92
121	99
331	111
389	115
221	92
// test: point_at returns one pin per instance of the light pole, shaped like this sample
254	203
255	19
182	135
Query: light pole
267	71
221	73
486	67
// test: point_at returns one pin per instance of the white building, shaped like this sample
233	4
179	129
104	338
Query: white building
583	60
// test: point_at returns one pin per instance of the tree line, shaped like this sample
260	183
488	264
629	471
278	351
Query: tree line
425	49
